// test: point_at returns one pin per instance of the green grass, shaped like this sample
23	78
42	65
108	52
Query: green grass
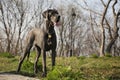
73	68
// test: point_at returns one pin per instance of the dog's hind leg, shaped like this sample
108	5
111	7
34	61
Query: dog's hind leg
27	51
38	50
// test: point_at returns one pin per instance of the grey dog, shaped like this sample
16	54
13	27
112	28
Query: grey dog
43	40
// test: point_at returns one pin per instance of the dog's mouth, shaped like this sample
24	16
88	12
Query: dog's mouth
57	23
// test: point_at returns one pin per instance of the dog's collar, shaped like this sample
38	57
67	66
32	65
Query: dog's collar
52	32
49	36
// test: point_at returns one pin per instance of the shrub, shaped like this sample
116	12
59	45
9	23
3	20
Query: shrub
28	66
58	73
108	55
94	56
81	57
7	55
64	73
28	69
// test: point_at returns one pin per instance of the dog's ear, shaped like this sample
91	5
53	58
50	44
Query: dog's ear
46	14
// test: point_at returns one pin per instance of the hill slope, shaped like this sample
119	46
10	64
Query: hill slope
73	68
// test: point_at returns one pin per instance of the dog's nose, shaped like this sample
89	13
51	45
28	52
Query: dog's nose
58	18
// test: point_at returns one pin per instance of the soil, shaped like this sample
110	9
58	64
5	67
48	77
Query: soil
8	76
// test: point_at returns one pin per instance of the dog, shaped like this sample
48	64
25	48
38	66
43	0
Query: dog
43	40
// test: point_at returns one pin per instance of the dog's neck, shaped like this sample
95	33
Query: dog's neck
49	27
49	24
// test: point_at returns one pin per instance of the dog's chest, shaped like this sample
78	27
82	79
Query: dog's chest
49	42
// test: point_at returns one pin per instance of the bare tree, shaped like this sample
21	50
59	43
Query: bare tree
107	38
16	17
102	47
91	31
7	26
115	29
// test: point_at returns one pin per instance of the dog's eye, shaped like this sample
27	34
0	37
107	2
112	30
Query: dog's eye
53	14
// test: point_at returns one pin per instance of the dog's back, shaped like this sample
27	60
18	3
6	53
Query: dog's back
36	36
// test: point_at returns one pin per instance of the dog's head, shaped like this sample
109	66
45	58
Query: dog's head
52	15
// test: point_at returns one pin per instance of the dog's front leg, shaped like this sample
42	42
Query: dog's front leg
44	63
53	55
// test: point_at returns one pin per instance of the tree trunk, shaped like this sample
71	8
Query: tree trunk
102	47
19	34
102	42
115	31
17	44
61	39
8	45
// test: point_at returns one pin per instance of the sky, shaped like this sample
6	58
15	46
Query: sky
95	4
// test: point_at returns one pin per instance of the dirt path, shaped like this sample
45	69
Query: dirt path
8	76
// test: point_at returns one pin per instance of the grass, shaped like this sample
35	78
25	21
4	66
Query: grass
73	68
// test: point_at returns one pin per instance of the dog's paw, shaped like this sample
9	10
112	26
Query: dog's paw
44	74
